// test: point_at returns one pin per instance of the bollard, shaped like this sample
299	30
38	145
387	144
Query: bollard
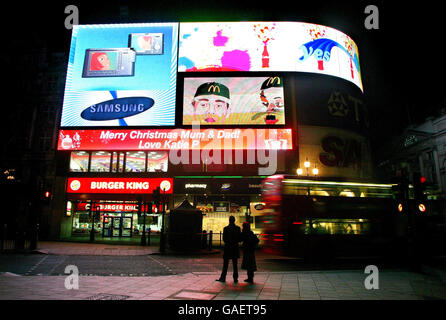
20	241
148	236
34	238
204	239
210	240
3	239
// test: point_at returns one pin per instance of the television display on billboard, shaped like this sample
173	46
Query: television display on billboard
234	101
109	63
146	43
121	74
268	46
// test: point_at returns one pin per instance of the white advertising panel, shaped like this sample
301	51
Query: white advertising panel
268	46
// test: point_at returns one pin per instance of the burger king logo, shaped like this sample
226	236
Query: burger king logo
165	185
75	185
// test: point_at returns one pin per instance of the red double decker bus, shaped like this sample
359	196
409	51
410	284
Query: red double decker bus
327	218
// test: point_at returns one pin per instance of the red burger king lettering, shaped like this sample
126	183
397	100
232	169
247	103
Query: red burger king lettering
118	185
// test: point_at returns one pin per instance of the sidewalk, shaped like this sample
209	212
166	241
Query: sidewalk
73	248
324	285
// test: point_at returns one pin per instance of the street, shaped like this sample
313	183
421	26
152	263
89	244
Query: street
156	264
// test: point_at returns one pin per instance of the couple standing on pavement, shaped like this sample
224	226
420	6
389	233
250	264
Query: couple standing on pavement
231	237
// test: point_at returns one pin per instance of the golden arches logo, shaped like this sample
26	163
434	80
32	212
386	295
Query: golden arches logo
214	88
272	79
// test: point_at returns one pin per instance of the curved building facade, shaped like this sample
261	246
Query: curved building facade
205	111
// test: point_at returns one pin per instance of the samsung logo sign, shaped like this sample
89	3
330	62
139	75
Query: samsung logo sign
117	108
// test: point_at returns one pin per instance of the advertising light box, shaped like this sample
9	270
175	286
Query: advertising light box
123	74
176	139
268	46
234	101
119	185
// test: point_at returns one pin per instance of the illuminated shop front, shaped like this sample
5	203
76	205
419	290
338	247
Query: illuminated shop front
117	219
94	201
218	197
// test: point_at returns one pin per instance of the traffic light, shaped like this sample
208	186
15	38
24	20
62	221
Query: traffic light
422	208
46	197
157	196
419	187
401	190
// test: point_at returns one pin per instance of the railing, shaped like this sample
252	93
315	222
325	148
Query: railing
15	245
215	239
18	241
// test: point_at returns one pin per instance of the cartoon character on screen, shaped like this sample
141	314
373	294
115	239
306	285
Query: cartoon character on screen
211	103
99	61
271	96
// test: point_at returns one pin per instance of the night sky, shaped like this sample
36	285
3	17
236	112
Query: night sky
402	63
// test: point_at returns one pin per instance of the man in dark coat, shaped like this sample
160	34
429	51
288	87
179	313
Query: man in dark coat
231	238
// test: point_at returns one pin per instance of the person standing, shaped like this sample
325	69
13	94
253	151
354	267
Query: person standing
250	242
231	238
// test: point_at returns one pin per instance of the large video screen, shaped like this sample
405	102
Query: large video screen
268	46
234	101
122	74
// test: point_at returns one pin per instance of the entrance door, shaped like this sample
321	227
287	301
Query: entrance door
126	226
107	226
116	227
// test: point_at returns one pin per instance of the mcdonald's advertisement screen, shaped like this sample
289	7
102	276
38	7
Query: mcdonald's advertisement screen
234	101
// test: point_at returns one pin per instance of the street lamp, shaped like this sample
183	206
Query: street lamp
94	210
307	165
163	213
142	210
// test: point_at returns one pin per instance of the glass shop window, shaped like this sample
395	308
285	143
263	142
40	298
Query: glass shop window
79	161
100	161
157	161
135	161
118	160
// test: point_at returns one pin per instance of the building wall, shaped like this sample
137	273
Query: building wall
420	149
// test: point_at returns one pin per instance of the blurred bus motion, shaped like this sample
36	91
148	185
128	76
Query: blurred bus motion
327	219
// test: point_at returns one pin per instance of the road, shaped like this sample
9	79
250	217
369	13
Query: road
158	265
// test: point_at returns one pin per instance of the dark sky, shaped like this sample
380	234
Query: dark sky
402	62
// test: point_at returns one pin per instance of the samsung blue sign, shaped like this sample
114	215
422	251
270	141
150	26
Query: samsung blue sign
117	108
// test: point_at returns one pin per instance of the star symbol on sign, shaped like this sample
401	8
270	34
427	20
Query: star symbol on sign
337	105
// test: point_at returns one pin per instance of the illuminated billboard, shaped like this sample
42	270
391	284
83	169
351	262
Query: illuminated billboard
176	139
268	46
233	101
123	74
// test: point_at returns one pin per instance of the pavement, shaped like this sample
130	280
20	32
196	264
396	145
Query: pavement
321	285
73	248
288	285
